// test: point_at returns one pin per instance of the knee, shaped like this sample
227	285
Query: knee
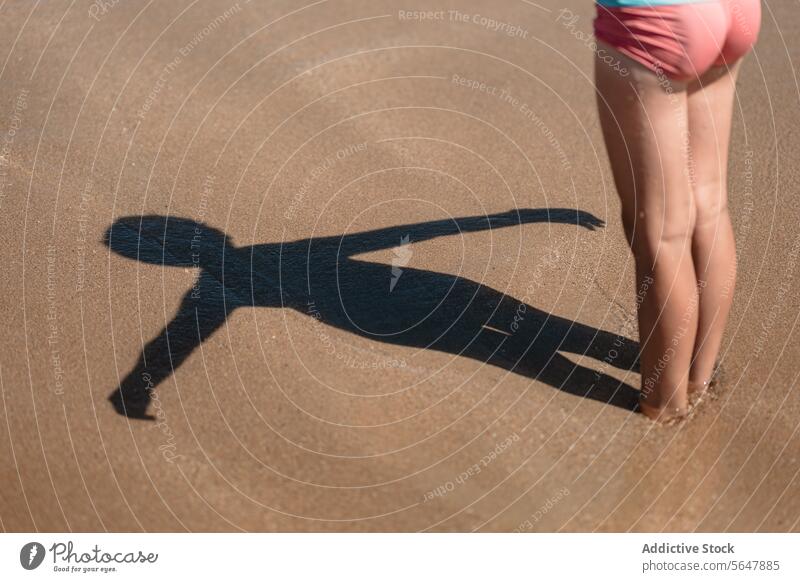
658	236
711	203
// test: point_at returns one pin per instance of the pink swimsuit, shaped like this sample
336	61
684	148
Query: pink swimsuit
683	40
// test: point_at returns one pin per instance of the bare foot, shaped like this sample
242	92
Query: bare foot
668	414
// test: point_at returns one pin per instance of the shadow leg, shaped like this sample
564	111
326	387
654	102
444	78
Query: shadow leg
609	348
563	374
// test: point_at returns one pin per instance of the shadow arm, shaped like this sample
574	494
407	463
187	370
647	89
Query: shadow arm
396	235
201	313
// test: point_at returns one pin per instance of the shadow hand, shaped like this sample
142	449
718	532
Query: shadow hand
589	221
132	404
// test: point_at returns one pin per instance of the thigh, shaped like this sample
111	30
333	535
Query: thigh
710	107
645	125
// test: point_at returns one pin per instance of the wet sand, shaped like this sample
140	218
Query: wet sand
384	356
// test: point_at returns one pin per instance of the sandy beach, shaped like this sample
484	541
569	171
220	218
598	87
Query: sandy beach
388	241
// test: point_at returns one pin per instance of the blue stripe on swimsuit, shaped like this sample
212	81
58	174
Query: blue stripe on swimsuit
638	3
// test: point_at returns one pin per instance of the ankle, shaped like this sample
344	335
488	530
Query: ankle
663	414
697	387
699	376
702	378
658	407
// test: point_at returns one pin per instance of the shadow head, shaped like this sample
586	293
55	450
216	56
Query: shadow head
166	240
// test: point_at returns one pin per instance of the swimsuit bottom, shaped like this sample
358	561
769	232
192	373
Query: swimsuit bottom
681	39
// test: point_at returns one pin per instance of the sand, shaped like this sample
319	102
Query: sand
331	393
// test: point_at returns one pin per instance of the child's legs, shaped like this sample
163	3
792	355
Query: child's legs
645	129
710	102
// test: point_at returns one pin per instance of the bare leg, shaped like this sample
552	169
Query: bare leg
713	248
644	120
